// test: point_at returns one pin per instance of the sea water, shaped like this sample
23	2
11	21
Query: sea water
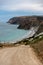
10	33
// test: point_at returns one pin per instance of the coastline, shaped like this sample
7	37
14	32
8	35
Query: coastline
26	41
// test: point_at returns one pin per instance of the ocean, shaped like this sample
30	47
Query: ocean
10	33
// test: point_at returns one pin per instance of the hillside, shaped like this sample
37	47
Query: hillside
26	22
40	28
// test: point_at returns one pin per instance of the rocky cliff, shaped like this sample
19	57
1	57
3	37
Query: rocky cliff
26	22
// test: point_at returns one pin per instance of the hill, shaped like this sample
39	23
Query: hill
26	22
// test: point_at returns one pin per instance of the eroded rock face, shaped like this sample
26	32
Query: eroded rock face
40	28
26	22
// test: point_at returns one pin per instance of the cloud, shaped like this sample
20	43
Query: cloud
26	5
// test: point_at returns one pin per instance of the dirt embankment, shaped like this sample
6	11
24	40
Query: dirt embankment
20	55
38	48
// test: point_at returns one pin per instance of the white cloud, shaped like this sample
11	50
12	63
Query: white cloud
13	5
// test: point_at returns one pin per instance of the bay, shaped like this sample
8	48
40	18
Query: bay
10	33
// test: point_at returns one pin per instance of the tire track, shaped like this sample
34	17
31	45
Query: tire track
21	55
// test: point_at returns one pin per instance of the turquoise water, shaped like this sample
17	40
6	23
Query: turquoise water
10	33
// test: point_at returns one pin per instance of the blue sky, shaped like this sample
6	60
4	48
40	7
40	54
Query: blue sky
12	8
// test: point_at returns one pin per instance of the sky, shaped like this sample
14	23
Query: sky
12	8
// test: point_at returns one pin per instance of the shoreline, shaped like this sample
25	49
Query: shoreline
29	34
23	38
25	41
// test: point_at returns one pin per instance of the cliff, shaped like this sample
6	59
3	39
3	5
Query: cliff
26	22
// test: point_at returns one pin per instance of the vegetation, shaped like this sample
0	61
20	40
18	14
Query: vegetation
24	41
31	40
38	48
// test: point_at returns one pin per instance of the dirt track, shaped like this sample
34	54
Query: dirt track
21	55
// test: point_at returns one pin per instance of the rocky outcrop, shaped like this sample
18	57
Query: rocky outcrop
26	22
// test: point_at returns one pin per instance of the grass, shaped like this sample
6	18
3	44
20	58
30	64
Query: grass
38	47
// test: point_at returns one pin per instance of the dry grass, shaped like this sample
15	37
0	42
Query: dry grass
38	48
